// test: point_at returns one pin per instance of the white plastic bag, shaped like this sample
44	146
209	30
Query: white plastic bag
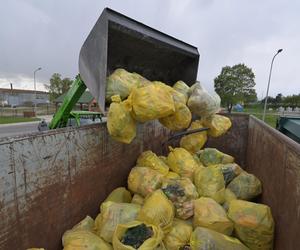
202	103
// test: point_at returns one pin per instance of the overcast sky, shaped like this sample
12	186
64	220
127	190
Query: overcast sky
49	34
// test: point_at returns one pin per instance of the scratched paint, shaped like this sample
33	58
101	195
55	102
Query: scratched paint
50	181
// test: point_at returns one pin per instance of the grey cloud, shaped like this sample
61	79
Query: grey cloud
50	33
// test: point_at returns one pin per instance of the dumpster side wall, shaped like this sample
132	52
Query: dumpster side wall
50	181
275	160
235	141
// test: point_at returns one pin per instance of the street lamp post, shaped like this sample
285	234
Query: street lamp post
266	98
35	87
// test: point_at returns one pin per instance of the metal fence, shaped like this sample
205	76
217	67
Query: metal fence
48	109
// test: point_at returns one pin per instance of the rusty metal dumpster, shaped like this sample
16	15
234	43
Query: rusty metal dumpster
50	181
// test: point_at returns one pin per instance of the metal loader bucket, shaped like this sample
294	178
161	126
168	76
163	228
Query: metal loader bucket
117	41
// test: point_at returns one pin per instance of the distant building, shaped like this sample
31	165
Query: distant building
22	97
85	102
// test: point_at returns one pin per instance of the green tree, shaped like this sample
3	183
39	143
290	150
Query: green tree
279	98
235	84
292	101
58	86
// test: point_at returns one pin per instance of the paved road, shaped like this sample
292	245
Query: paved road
13	129
7	130
18	128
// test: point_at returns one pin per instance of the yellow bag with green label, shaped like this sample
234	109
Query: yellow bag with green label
218	125
209	214
179	236
194	142
151	243
151	160
212	156
143	180
120	124
210	183
151	102
157	210
181	118
253	224
83	240
245	186
112	214
206	239
182	162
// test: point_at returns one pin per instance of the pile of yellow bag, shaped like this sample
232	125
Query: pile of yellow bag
187	201
134	99
194	198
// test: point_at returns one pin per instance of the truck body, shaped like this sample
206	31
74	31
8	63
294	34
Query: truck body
50	181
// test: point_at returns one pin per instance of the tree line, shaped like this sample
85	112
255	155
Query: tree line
235	84
292	101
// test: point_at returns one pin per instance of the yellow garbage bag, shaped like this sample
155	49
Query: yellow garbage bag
196	158
163	158
179	236
218	125
177	95
98	221
229	196
151	102
180	189
182	162
212	156
181	119
210	182
120	124
87	224
202	103
137	199
245	186
139	80
206	239
151	160
157	210
172	175
181	87
143	180
253	224
210	214
83	240
150	244
230	171
120	195
194	142
113	214
180	192
121	82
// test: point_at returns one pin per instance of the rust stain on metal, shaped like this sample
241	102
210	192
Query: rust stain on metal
52	181
275	160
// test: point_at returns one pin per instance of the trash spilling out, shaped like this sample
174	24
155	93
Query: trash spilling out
192	198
